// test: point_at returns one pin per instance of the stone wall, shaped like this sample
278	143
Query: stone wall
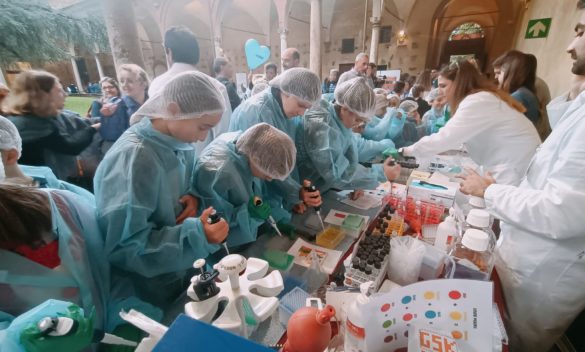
554	63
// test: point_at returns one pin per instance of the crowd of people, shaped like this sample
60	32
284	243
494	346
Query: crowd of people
166	154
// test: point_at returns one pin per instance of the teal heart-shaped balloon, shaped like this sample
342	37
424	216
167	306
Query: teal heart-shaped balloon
256	54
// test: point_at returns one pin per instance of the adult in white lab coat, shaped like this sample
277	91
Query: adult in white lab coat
488	121
182	52
541	257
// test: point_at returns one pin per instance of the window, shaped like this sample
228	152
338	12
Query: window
347	46
385	34
469	30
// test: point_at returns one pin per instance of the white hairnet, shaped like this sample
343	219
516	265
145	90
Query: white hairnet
259	87
193	93
270	150
381	101
9	136
299	82
393	96
408	106
357	96
433	94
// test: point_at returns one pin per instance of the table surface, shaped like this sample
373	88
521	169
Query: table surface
270	332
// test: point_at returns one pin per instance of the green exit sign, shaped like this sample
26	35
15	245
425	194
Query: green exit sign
538	28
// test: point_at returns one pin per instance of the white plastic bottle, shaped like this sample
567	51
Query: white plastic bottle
481	220
446	232
355	322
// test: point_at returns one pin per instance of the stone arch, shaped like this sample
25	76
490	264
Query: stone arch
151	42
193	15
243	20
493	15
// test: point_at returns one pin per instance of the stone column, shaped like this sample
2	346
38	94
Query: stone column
283	39
75	69
98	63
375	41
315	35
2	79
375	21
282	7
122	32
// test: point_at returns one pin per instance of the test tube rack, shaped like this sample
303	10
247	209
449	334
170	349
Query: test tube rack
368	262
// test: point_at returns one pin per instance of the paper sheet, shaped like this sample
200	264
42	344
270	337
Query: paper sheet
328	258
370	199
461	309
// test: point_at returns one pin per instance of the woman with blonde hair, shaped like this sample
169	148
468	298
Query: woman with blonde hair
110	110
486	120
34	106
134	83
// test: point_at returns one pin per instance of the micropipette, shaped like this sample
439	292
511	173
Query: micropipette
213	219
271	221
310	187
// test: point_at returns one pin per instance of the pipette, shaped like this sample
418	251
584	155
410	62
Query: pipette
213	219
310	187
63	326
271	221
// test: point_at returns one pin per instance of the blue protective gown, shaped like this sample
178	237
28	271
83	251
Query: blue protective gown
327	154
137	188
223	179
47	179
369	149
265	107
82	278
388	127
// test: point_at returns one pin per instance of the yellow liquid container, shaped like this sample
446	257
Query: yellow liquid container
396	224
330	237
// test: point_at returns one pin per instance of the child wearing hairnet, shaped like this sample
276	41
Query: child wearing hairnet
144	195
327	154
391	124
370	149
434	119
281	105
235	168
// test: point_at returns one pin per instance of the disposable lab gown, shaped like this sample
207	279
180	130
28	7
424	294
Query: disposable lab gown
541	257
223	179
83	277
327	154
388	127
265	107
496	136
47	179
137	188
369	149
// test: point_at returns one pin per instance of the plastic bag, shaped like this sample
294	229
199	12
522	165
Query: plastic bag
406	256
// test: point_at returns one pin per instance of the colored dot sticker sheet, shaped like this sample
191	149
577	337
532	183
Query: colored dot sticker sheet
460	309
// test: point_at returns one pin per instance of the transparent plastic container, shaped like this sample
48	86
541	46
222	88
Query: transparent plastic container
473	256
330	237
480	219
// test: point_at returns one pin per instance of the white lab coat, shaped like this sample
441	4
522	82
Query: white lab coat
497	137
159	82
541	257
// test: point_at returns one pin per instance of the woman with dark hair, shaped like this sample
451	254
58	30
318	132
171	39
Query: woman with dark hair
111	111
517	76
486	120
35	107
424	80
